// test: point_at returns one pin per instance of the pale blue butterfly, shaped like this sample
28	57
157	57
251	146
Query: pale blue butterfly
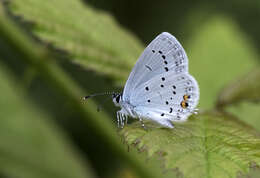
159	87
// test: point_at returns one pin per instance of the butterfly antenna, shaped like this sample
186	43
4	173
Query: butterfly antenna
97	94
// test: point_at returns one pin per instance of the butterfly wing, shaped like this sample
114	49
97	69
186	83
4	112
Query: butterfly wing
163	54
168	96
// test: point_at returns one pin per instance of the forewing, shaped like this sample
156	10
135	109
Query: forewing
164	94
163	54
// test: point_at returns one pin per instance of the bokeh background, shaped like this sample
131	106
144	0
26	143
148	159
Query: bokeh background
96	43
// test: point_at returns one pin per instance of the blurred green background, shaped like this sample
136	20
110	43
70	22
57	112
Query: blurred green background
95	43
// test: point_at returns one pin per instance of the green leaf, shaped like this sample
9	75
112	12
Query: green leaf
31	145
15	44
241	98
254	172
92	38
246	111
207	145
218	53
244	89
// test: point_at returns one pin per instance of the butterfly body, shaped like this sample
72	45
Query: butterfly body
159	87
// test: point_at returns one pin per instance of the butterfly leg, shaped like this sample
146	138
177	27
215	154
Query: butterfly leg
142	122
118	118
123	120
122	117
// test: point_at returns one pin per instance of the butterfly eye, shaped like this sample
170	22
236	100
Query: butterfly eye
118	98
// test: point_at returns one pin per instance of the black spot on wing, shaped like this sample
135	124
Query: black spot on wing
148	67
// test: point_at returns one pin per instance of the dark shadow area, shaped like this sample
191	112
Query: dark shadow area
148	18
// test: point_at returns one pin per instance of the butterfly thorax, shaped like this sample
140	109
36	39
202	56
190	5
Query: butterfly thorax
126	107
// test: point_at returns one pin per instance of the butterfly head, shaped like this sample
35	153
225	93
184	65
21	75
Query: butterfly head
117	98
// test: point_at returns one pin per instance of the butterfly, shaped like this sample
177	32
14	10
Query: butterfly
159	88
